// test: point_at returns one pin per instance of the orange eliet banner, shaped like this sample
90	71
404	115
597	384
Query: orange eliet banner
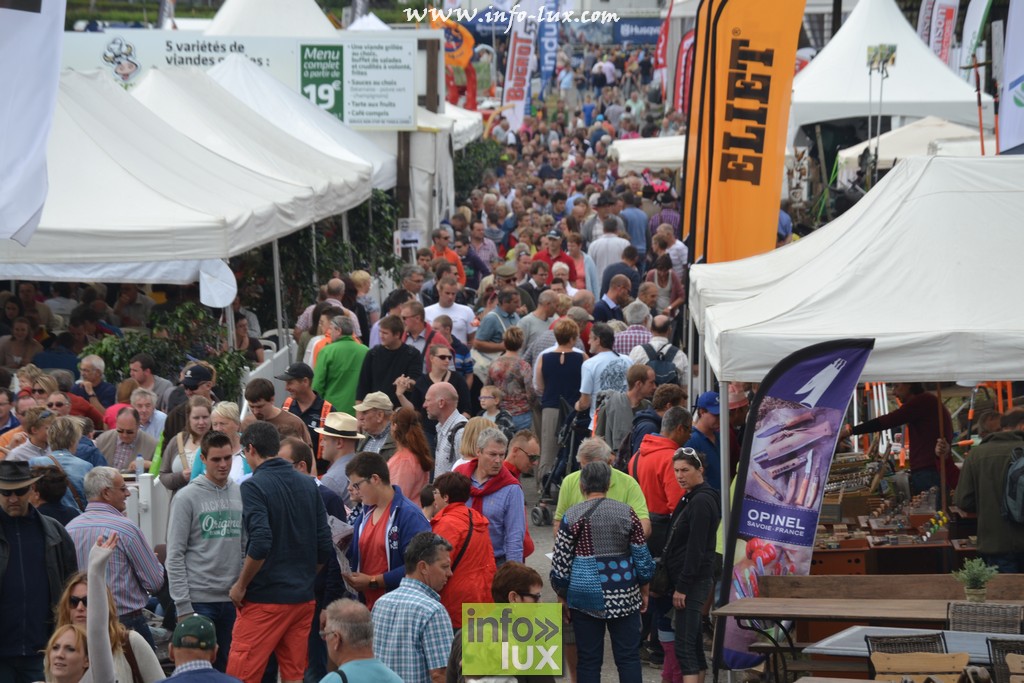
736	145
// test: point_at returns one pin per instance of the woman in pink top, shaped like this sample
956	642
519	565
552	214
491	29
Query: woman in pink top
411	464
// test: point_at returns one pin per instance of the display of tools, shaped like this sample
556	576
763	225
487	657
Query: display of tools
812	490
802	493
792	423
776	471
769	489
788	442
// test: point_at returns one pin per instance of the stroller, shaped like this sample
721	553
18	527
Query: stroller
575	427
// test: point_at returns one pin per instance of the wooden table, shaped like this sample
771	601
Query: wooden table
871	611
850	643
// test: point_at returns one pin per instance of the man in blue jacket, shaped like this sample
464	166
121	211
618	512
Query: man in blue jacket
288	543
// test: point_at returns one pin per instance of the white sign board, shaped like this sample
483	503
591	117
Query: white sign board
369	82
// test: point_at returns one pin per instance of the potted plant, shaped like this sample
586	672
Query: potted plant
974	575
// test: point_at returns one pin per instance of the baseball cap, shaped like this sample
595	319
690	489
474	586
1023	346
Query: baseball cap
507	270
196	633
296	371
709	401
554	234
196	375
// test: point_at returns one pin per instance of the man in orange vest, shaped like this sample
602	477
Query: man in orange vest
306	404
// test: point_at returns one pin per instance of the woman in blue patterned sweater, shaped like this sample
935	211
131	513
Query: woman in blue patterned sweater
600	570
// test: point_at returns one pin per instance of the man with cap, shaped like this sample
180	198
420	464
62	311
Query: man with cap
193	648
704	438
505	276
593	227
36	558
305	403
197	379
339	435
338	366
374	416
554	254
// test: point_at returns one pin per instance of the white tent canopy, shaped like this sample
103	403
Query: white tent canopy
653	153
907	141
297	116
467	125
368	22
905	274
191	102
271	18
835	84
127	188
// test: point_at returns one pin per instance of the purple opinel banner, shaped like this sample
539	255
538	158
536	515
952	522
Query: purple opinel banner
790	437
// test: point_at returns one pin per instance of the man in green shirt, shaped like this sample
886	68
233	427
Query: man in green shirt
336	374
624	488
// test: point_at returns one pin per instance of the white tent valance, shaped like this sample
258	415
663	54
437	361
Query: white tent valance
835	85
653	153
294	114
905	272
467	125
906	141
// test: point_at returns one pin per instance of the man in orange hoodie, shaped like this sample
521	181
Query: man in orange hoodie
652	467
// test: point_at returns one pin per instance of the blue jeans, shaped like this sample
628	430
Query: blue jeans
689	639
1006	563
521	422
625	635
222	614
138	623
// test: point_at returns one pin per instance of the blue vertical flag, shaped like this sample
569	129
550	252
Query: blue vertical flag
790	437
547	39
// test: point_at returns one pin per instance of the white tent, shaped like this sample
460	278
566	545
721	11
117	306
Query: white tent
653	153
467	125
368	22
966	146
191	102
132	199
907	141
905	274
294	18
293	113
835	85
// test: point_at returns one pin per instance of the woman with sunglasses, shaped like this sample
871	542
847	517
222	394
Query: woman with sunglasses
412	393
130	651
411	465
689	556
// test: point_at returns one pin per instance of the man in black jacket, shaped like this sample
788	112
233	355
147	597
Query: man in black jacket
36	558
288	543
387	362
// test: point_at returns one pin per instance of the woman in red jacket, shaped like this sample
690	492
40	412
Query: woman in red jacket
472	554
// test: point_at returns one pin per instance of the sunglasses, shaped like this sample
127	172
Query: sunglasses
443	357
75	601
125	431
39	391
56	404
6	493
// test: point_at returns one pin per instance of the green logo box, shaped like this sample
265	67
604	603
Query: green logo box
321	78
511	640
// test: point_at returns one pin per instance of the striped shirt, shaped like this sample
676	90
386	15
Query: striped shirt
412	633
630	338
133	572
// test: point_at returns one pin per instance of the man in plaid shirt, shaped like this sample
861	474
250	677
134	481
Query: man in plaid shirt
412	633
638	317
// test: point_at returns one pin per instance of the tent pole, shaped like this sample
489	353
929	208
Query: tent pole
856	418
723	447
312	234
348	240
689	360
229	317
281	334
943	490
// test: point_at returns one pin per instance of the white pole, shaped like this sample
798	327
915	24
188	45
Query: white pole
690	333
723	447
856	418
281	332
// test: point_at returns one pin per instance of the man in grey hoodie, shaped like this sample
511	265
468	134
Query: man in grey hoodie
205	543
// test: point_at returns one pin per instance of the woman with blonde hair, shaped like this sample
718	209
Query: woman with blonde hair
66	658
467	449
412	463
226	418
134	659
180	453
361	279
